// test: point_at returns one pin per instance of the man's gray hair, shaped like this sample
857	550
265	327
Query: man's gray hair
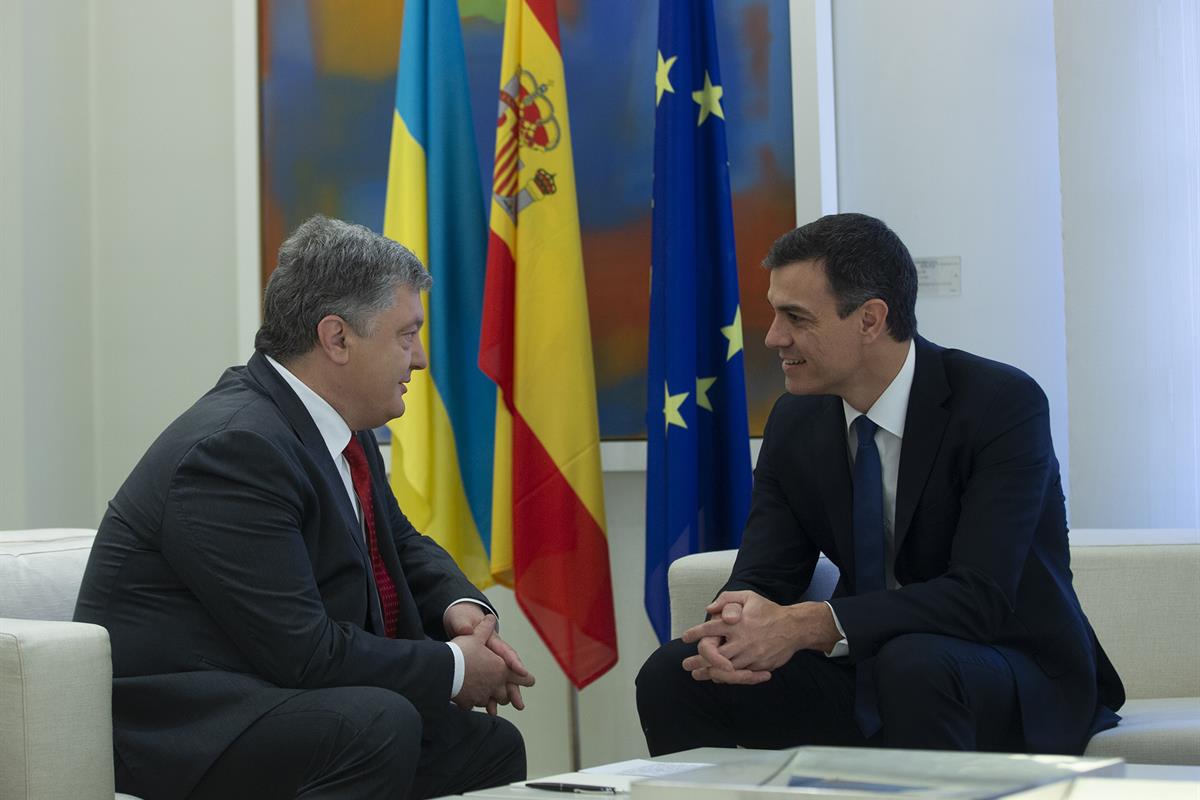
332	267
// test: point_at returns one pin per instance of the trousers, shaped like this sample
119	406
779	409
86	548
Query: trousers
360	742
934	692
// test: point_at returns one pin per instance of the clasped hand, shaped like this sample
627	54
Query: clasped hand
494	672
748	637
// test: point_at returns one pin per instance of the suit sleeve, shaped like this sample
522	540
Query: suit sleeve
232	532
433	577
776	558
1004	497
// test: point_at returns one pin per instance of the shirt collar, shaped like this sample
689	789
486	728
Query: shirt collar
891	409
333	429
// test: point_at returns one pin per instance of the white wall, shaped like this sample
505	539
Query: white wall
126	236
46	399
165	237
12	271
947	130
1129	99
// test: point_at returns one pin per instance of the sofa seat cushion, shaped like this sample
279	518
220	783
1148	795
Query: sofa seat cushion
40	572
1160	730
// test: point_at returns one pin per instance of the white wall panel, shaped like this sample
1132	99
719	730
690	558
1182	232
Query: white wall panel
947	130
1129	91
46	411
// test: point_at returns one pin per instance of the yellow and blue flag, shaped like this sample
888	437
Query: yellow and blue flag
698	442
442	446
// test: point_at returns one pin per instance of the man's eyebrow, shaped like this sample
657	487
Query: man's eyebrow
792	308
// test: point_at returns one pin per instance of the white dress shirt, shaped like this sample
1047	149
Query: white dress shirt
888	413
336	434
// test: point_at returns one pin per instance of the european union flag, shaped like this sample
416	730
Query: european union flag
698	470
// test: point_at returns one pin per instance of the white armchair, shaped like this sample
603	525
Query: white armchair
1139	588
55	675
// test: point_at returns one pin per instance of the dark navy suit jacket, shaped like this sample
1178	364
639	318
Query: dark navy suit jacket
231	572
981	535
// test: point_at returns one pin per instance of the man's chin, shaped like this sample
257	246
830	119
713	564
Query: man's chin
792	386
394	412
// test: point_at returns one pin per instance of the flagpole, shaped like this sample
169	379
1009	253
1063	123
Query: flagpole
573	725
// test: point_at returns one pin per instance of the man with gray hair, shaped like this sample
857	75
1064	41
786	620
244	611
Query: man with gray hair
278	627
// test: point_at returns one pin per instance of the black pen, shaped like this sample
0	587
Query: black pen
577	788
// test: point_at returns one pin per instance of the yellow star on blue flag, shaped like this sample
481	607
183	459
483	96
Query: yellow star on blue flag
733	332
671	404
662	77
709	100
702	387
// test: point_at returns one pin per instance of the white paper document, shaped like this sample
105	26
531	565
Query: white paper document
644	768
617	776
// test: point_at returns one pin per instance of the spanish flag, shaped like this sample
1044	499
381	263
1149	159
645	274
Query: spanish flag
548	531
441	451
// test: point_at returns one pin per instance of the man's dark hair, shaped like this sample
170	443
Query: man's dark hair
331	267
863	259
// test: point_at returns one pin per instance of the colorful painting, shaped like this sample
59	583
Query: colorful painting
328	70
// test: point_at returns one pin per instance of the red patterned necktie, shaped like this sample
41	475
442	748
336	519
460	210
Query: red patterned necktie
389	601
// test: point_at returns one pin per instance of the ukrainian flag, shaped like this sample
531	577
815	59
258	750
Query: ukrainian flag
442	447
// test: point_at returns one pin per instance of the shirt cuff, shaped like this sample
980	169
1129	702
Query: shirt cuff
460	669
488	609
842	648
460	663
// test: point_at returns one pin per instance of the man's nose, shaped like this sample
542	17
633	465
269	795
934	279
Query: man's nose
774	338
419	360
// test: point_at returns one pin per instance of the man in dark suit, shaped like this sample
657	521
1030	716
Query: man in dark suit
928	477
278	627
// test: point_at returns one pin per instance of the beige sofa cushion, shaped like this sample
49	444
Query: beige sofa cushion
1144	603
40	572
1161	730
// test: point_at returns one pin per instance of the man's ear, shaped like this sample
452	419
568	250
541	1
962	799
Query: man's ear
331	338
873	319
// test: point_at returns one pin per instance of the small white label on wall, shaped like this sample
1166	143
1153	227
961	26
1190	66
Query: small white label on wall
939	276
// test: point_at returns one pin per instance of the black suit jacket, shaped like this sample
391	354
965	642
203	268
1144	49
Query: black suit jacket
981	535
231	572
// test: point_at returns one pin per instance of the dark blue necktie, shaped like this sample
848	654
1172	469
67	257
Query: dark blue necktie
868	558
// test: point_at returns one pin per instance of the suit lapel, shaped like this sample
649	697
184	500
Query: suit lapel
923	430
302	423
832	459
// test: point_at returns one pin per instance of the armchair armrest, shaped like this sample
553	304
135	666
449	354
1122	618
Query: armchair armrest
55	710
692	583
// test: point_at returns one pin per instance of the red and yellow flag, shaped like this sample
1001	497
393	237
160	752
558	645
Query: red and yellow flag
548	531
